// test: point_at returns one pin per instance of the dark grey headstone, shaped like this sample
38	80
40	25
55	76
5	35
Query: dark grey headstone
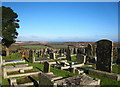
68	54
81	58
31	56
118	56
46	67
52	55
104	55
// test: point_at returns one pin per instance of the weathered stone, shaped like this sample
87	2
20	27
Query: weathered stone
31	56
52	55
68	54
81	58
89	52
104	55
74	51
72	70
80	50
114	76
21	70
118	56
46	67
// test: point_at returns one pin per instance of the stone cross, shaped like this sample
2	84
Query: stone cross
104	55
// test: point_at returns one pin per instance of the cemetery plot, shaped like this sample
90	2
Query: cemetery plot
70	63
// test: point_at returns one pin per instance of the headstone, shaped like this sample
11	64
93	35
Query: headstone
104	55
31	56
118	56
46	67
72	70
80	50
81	58
60	52
52	55
68	54
89	52
74	51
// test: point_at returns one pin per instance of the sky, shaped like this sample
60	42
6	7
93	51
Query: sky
66	21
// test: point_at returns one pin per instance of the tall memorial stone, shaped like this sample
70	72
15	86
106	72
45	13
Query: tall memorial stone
104	55
118	56
68	54
31	56
74	51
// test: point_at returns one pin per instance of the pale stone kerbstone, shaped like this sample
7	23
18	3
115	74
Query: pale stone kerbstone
21	71
12	81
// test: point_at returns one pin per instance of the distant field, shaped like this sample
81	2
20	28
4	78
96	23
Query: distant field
34	46
39	46
59	46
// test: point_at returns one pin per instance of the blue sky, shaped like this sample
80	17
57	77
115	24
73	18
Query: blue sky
66	21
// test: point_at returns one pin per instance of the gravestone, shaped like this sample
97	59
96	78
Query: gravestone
81	58
60	52
31	56
72	70
104	55
52	55
74	51
118	56
89	52
46	67
68	54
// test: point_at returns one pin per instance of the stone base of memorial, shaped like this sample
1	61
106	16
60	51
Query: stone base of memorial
105	74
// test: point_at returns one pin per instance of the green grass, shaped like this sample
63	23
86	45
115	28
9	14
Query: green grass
13	64
13	56
106	81
116	69
59	46
26	79
23	80
5	82
57	72
34	46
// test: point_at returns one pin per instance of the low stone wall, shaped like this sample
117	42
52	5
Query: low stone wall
105	74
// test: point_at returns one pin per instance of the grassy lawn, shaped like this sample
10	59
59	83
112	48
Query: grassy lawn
116	69
63	73
106	81
13	56
57	72
34	46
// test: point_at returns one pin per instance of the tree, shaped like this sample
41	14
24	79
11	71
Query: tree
9	26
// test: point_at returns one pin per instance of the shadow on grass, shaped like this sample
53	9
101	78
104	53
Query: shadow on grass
38	68
34	81
26	59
